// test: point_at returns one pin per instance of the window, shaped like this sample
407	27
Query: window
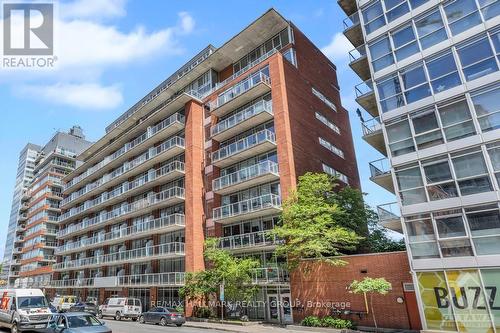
400	138
471	173
427	131
390	94
291	56
484	223
415	84
430	30
477	59
424	250
395	8
332	172
462	15
494	153
420	229
443	73
331	147
327	122
440	183
456	248
487	106
450	227
405	43
373	17
456	120
381	54
411	187
324	99
489	8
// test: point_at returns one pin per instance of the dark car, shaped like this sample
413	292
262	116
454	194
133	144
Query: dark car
163	316
76	322
88	307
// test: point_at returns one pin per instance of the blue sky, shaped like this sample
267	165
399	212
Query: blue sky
111	53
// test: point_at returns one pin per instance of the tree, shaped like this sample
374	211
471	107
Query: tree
312	223
379	241
370	286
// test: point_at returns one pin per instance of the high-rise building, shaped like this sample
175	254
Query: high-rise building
430	72
34	232
211	151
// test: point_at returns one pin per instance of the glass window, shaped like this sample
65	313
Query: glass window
456	248
484	223
373	16
491	279
439	179
489	8
494	153
415	84
420	230
424	250
427	131
430	30
443	73
381	54
400	138
471	173
405	43
462	15
477	59
416	3
390	94
395	8
456	120
487	245
487	106
411	186
450	227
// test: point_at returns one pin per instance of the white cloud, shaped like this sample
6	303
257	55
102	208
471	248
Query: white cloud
86	96
187	22
338	49
93	9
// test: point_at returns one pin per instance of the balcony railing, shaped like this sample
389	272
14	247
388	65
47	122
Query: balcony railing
371	126
389	211
380	167
145	227
175	118
357	53
174	248
247	206
351	21
245	174
260	238
241	116
239	89
243	144
364	88
129	186
128	209
270	275
154	279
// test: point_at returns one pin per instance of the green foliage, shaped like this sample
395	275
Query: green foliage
370	285
199	286
378	239
204	312
311	321
312	223
336	323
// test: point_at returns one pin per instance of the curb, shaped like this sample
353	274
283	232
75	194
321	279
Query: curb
213	328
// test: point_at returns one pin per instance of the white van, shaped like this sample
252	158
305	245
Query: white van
64	303
24	310
121	307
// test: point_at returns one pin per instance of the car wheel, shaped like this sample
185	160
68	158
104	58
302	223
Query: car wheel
163	321
118	315
14	328
141	319
179	325
134	319
99	315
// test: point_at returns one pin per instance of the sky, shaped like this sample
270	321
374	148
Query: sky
113	52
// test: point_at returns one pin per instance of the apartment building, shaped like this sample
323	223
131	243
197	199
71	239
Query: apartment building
11	260
211	151
34	236
430	72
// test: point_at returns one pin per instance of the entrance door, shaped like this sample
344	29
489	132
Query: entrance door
272	308
286	309
279	308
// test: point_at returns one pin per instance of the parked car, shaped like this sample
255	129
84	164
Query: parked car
64	303
121	307
76	322
88	307
24	310
163	316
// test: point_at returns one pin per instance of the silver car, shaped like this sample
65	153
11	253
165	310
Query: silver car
163	316
76	322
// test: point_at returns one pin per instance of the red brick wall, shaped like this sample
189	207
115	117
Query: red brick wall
327	283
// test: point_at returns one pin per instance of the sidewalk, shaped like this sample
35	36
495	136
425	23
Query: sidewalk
256	328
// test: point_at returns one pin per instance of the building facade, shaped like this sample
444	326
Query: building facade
430	72
212	151
36	228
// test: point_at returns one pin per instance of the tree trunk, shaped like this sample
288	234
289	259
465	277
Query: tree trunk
373	313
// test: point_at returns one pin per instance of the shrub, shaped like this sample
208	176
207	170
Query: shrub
336	322
311	321
204	312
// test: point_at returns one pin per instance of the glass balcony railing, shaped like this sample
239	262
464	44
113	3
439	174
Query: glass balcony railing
364	88
239	88
241	116
247	206
260	238
175	248
127	209
243	144
351	21
357	53
154	279
388	212
380	167
371	126
145	227
253	171
270	275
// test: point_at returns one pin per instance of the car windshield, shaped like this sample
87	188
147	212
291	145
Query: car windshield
32	302
82	321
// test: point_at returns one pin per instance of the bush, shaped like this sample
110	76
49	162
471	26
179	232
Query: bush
311	321
204	312
336	322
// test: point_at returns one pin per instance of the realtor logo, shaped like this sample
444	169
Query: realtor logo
28	29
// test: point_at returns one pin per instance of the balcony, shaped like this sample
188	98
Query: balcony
270	276
159	200
372	134
251	176
352	29
389	216
163	251
251	241
252	145
164	224
348	6
138	280
17	250
381	174
24	207
22	217
365	97
358	61
245	119
269	204
241	93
